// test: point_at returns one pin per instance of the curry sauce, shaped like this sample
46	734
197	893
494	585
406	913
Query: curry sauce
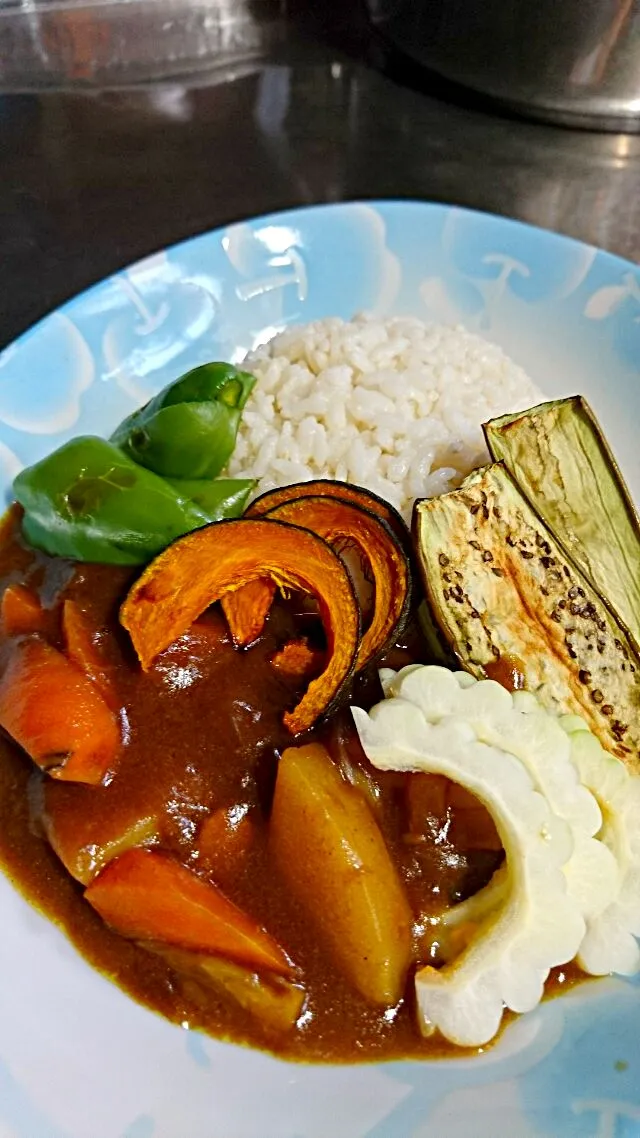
203	729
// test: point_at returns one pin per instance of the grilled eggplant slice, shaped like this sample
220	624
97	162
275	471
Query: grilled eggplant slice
501	587
561	461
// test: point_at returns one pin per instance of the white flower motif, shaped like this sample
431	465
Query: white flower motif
271	261
10	465
607	300
163	319
43	376
608	1111
439	302
267	259
389	268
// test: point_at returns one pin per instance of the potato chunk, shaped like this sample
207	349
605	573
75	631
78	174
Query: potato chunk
330	851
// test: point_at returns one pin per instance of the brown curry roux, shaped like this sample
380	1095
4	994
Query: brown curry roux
204	730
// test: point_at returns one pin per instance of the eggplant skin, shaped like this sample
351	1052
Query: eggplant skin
561	461
500	586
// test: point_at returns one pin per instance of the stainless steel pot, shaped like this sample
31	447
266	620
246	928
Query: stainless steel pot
92	43
571	61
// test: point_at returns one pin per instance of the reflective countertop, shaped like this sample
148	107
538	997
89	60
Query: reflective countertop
91	179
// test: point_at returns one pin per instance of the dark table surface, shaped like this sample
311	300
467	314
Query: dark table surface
92	179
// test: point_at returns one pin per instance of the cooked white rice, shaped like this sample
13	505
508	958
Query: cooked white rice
394	405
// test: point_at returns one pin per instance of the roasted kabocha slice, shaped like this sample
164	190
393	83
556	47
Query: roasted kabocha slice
216	560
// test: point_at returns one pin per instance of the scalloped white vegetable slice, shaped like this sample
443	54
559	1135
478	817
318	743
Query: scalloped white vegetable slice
523	729
456	925
538	925
610	944
525	701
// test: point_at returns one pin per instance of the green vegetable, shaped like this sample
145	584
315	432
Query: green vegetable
88	501
189	429
218	498
122	502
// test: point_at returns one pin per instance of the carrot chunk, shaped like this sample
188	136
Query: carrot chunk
20	611
56	714
81	648
147	895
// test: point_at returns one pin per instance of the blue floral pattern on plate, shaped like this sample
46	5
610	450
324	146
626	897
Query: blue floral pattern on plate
78	1059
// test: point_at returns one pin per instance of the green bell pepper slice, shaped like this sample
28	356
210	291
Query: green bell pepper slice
189	429
89	502
218	498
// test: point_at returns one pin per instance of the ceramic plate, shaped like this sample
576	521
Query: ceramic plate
78	1058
